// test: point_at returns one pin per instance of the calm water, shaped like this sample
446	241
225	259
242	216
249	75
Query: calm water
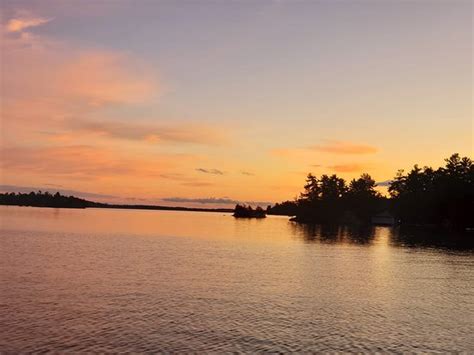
117	280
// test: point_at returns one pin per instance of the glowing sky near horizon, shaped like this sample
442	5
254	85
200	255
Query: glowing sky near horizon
179	102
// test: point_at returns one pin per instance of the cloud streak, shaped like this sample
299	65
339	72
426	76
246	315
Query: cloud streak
210	171
24	21
328	146
150	132
213	201
346	168
73	91
84	162
340	147
204	201
197	184
51	84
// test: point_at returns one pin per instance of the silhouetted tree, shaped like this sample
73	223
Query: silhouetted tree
242	211
286	208
362	200
312	190
332	187
436	197
44	199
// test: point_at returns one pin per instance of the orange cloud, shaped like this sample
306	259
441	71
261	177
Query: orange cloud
347	168
73	81
197	184
151	133
330	146
86	162
20	24
97	78
54	77
68	92
339	147
57	107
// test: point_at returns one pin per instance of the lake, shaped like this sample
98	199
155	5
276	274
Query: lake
136	281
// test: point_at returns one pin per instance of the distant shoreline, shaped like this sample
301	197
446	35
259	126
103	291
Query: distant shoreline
133	207
46	200
165	208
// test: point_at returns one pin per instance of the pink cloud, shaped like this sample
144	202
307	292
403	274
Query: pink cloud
24	22
57	123
98	78
68	92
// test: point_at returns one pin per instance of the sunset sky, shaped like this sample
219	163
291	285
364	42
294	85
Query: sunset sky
205	103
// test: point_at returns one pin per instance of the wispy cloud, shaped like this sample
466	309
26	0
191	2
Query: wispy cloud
247	173
86	162
197	184
214	201
60	87
54	185
97	78
340	147
347	168
54	84
73	90
208	200
175	176
210	171
151	132
328	146
23	21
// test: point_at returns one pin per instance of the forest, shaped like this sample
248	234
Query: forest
422	196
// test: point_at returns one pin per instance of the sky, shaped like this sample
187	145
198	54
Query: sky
209	103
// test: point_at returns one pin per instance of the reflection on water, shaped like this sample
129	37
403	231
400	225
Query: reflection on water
433	238
397	236
143	281
335	234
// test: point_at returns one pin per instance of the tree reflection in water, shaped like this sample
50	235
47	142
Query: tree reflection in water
331	234
397	236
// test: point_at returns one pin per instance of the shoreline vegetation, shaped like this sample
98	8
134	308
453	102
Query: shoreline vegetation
243	211
46	199
421	197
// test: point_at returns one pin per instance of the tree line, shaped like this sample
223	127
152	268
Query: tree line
422	196
56	200
246	211
44	199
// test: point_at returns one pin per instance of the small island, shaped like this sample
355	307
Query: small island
242	211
